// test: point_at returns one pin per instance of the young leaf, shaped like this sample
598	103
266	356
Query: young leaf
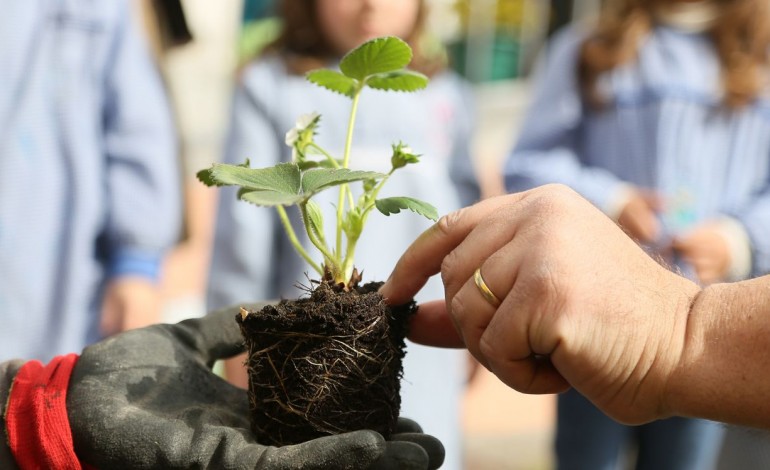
401	80
283	178
315	219
393	205
333	81
403	155
380	55
353	224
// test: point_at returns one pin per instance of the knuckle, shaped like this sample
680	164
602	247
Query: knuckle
456	307
448	269
448	222
554	198
560	191
488	348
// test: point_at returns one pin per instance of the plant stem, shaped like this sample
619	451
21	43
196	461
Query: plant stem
345	164
350	249
326	154
294	241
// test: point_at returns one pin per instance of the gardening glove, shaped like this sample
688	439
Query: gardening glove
147	399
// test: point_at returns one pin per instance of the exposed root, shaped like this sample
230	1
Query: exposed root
325	365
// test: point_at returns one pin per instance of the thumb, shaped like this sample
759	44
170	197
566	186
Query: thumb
358	449
215	335
433	326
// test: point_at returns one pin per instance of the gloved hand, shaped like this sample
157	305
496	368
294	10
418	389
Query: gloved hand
147	399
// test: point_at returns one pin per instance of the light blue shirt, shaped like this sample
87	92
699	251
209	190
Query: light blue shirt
253	259
664	129
88	168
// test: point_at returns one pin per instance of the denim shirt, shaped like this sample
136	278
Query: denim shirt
664	129
88	169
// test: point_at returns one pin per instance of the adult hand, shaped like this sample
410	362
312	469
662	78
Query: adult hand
129	302
581	303
639	216
705	249
148	399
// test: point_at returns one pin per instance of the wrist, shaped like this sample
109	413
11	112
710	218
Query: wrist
134	263
722	373
8	371
681	346
677	389
36	421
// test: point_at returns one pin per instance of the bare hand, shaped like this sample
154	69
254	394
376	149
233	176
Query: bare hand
706	250
638	217
582	304
129	302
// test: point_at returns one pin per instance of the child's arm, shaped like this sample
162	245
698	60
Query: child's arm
546	151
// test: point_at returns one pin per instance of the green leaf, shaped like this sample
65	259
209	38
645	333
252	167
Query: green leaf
380	55
209	175
315	219
394	205
316	180
205	177
282	184
270	198
333	81
401	80
283	178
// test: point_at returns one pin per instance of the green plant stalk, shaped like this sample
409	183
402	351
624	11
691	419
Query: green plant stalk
347	265
344	188
325	154
294	241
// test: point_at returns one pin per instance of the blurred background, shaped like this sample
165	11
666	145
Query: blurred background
200	45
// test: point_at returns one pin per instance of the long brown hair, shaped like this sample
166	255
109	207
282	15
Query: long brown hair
741	37
304	46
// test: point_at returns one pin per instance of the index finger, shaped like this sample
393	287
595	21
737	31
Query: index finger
424	257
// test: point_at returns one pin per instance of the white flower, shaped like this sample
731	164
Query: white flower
291	137
303	129
305	120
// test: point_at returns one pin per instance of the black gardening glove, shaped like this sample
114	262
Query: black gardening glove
147	399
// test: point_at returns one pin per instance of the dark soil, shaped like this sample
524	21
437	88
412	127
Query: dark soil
323	365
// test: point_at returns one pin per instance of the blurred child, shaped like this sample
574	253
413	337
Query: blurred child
88	176
252	256
660	115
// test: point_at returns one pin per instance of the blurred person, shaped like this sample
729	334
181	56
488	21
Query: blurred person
658	115
252	257
197	72
88	178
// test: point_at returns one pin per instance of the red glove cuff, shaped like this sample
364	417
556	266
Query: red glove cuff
38	428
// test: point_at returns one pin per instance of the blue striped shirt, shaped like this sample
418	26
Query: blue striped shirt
664	129
88	168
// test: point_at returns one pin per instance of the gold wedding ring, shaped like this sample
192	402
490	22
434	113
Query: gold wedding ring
484	289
